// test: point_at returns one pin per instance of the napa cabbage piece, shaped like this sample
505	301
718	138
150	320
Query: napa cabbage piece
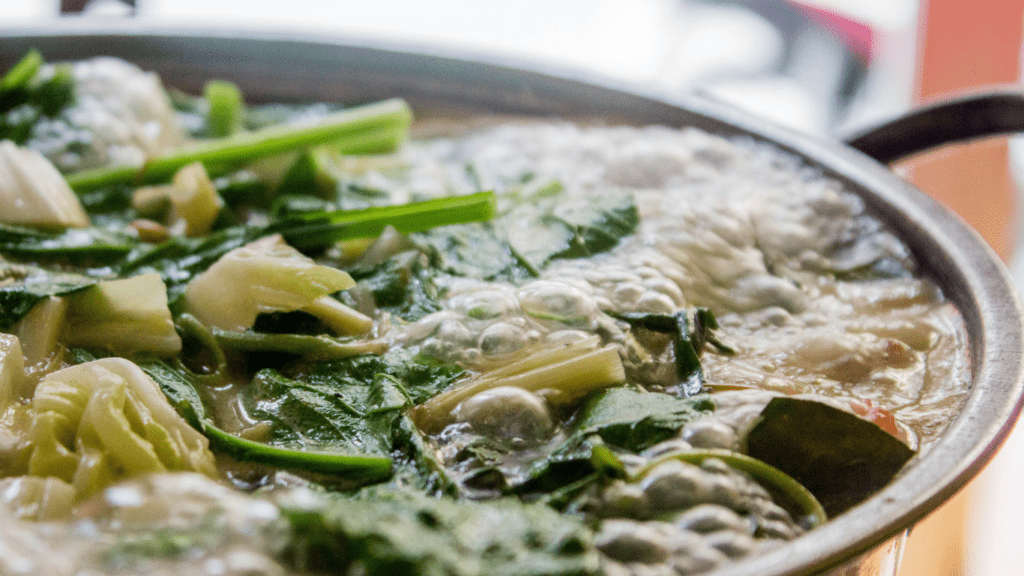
266	276
33	193
100	422
35	498
12	371
194	203
125	316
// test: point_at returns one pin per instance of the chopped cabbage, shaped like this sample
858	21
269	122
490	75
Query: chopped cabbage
125	316
195	203
12	371
263	276
39	333
35	498
96	423
33	192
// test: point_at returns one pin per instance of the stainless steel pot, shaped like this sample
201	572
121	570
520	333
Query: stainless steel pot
864	540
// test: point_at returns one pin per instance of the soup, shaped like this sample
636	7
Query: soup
290	339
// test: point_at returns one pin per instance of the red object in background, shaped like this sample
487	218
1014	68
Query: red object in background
965	45
857	36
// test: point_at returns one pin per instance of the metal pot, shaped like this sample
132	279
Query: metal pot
864	540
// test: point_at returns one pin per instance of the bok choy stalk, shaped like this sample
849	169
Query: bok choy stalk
269	276
373	128
33	193
562	374
126	316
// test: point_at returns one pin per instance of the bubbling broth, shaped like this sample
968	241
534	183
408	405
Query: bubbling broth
499	346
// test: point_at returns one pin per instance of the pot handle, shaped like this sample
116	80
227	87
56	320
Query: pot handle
989	113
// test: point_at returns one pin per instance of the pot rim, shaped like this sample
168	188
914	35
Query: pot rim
949	251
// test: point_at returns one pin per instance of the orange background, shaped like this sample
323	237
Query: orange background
964	44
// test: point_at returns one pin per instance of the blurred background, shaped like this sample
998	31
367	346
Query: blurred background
823	67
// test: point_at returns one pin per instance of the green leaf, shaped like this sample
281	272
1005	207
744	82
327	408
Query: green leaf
691	330
22	286
473	251
405	534
635	420
553	228
79	246
26	96
22	73
421	377
841	458
402	286
315	230
180	387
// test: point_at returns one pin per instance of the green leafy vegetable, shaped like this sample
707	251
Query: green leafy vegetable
636	420
311	175
179	259
356	405
27	95
84	246
690	330
552	228
318	229
415	535
474	251
401	285
420	377
22	287
179	386
312	347
841	458
377	127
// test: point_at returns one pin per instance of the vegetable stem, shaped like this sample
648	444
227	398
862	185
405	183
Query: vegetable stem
364	467
374	127
314	347
775	480
324	228
569	373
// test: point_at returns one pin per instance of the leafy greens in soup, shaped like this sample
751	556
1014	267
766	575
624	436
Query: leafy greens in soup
291	339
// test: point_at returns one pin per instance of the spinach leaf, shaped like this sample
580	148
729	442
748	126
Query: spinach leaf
690	330
26	96
473	251
402	285
553	228
420	377
80	246
635	420
22	286
318	414
841	458
415	535
575	465
360	403
180	387
614	419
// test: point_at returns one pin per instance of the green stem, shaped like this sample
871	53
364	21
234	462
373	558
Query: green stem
313	347
362	467
321	229
776	481
371	128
